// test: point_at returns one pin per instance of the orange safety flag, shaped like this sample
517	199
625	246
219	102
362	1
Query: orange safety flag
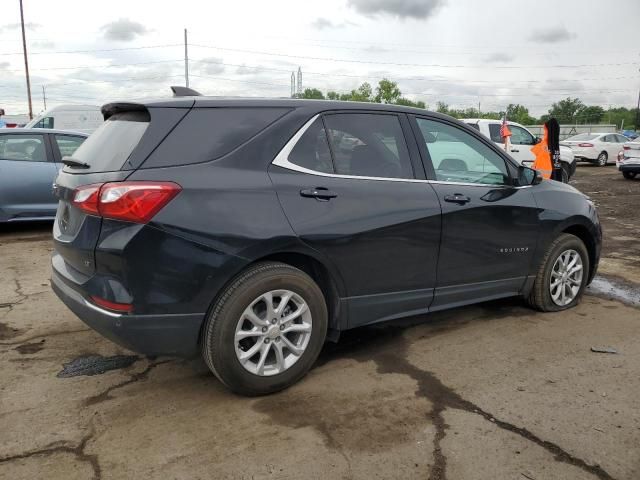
542	162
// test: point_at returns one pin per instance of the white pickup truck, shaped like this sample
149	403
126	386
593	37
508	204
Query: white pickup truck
520	143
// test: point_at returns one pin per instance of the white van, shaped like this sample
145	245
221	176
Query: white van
79	118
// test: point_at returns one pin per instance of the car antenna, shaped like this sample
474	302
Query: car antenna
184	92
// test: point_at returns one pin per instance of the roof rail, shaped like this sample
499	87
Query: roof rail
184	92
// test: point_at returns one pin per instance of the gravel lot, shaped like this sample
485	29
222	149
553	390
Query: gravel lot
494	391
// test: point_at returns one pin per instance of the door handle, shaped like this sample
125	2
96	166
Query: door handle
457	198
515	150
319	193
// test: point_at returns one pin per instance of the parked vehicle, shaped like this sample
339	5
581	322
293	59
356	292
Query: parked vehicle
29	162
520	143
596	148
253	230
79	118
628	161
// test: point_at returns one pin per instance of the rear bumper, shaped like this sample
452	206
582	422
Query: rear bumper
633	168
159	334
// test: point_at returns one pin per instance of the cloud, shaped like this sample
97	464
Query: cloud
244	70
552	35
210	65
417	9
321	23
43	44
123	30
16	26
499	57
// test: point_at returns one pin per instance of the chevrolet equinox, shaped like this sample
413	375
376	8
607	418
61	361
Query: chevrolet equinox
251	231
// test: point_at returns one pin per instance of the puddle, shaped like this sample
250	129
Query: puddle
95	365
7	332
27	348
615	290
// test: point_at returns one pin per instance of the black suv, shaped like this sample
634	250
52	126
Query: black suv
253	230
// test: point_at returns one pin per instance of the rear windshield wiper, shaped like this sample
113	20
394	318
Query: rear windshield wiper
73	163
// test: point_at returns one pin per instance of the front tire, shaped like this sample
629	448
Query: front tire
562	275
266	329
602	159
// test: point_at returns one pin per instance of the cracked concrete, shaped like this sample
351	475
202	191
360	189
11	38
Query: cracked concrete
493	391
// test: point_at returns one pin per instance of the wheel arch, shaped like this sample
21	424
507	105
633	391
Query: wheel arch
583	233
332	287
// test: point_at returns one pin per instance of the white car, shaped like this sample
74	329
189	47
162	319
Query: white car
628	161
598	148
80	118
520	143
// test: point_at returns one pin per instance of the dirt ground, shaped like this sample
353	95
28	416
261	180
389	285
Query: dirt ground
493	391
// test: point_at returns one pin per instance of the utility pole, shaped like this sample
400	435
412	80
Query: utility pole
186	60
293	85
638	113
479	114
26	62
44	96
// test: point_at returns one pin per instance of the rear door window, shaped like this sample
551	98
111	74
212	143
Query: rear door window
494	132
110	145
312	150
27	148
368	145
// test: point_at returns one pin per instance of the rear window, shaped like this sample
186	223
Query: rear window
110	145
209	133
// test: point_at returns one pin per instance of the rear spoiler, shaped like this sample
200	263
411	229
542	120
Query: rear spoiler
112	108
184	92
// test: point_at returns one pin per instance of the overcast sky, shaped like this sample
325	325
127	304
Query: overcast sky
458	51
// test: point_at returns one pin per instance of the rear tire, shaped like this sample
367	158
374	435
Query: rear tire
565	174
629	175
242	322
566	290
602	159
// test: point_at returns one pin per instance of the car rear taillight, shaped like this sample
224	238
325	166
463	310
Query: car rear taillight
134	202
626	147
585	144
86	198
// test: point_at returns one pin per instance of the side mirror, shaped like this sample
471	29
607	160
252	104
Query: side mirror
537	140
528	176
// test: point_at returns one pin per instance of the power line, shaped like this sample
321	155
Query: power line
77	67
61	52
426	79
431	65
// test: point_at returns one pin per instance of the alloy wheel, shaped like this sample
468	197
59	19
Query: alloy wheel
602	159
566	277
273	332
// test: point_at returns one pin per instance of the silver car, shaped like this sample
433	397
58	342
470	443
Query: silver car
29	162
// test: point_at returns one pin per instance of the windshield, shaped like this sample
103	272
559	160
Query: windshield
583	136
109	147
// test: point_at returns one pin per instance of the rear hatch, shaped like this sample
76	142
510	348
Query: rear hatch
115	150
632	151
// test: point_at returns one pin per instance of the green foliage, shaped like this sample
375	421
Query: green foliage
410	103
387	92
519	114
313	93
569	110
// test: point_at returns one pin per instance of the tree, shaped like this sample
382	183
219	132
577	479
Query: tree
565	110
410	103
387	91
364	93
331	95
591	114
312	93
519	114
442	107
